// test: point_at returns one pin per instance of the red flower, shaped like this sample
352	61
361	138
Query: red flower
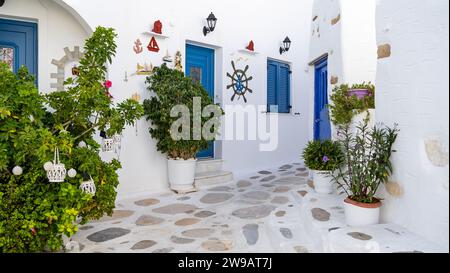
33	231
108	84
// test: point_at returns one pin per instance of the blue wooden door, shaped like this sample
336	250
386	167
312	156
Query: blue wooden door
322	124
200	67
18	44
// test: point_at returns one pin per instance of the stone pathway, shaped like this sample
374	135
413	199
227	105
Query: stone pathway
256	214
271	211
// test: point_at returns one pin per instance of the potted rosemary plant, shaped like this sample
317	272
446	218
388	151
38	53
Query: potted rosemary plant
367	166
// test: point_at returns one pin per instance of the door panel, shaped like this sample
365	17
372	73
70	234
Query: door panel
322	124
18	44
200	67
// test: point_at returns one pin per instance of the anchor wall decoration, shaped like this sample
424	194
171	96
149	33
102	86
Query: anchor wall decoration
138	46
239	82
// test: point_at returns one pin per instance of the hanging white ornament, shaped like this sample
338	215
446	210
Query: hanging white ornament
108	144
88	186
57	172
17	170
72	173
48	166
112	144
82	144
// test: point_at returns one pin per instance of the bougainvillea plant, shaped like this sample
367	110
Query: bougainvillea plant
35	214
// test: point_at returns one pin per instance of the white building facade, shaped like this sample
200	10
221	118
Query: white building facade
410	72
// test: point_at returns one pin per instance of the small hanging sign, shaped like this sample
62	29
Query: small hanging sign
153	45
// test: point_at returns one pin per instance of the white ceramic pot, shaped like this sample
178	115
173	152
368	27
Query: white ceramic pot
323	182
359	214
182	174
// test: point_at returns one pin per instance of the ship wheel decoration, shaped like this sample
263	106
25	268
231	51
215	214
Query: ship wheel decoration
239	82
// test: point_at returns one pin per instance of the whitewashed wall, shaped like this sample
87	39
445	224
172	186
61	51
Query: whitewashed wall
57	29
345	30
265	22
413	91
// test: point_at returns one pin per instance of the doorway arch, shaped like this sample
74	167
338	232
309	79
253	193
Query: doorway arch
76	15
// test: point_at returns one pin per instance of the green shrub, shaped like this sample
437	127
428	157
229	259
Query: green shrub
323	155
34	214
343	107
173	88
367	161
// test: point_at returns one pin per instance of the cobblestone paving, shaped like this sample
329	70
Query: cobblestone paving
253	214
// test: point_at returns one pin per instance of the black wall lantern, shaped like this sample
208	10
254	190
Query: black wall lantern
286	46
212	21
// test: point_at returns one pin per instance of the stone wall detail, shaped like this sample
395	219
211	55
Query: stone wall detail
69	57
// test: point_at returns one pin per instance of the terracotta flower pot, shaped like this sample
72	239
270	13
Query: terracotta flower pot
361	214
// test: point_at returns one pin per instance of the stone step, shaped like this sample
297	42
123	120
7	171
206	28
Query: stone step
287	233
209	165
385	238
323	218
207	179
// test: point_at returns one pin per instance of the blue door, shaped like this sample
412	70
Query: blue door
200	67
18	44
322	124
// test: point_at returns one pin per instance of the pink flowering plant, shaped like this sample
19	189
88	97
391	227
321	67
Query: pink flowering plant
108	84
323	155
34	213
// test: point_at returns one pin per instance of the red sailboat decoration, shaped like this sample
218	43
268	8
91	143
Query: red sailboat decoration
153	45
251	46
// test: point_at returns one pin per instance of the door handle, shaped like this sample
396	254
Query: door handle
317	120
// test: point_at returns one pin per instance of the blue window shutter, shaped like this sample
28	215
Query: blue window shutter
272	78
284	89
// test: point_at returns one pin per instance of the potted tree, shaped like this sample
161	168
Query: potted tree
367	166
323	158
36	214
180	137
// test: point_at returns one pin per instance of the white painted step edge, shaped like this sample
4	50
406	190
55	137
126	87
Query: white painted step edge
213	178
209	165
